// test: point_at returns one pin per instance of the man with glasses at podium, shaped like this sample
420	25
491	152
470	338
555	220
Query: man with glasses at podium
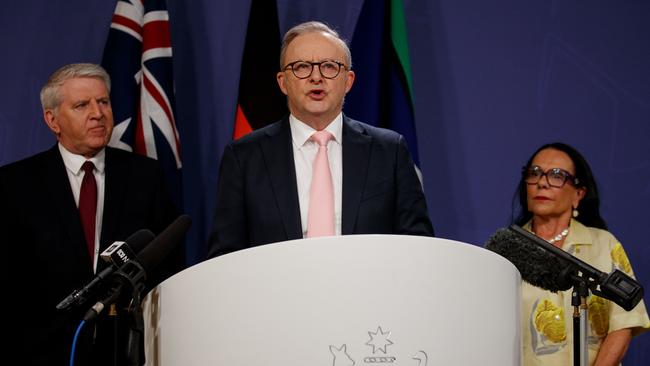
316	172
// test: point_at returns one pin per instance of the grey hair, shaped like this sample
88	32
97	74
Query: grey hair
50	95
313	27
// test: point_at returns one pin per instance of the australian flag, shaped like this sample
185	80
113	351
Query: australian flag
138	57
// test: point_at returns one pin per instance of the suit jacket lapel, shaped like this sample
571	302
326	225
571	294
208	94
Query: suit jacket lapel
356	154
61	195
278	156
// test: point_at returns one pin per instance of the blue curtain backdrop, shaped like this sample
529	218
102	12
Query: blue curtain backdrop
492	81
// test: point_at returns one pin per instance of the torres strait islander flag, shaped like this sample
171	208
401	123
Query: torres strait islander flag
260	100
382	93
138	57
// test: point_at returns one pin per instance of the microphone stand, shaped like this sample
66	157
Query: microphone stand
580	325
113	316
134	349
130	276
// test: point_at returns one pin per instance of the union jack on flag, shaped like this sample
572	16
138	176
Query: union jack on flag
138	57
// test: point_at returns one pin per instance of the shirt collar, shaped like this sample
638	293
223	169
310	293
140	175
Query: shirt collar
73	162
301	132
578	235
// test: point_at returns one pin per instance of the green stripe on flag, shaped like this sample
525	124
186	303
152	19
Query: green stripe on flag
399	37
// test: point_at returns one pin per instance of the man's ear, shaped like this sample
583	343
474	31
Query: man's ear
52	123
349	81
280	77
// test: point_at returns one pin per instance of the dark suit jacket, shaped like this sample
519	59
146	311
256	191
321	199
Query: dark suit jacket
257	197
45	255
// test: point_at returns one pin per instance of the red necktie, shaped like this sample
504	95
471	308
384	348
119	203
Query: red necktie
88	206
320	217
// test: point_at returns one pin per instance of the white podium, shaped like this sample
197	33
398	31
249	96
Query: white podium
341	301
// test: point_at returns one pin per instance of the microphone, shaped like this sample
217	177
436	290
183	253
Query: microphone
119	252
133	272
137	240
615	286
537	266
153	254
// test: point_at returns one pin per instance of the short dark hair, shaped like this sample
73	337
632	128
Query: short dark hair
589	209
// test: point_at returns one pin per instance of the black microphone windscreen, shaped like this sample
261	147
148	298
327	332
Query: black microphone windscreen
153	254
537	266
139	240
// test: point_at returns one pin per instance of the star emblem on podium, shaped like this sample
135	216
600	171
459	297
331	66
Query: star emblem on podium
379	340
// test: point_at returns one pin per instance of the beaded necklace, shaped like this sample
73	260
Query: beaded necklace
563	234
559	236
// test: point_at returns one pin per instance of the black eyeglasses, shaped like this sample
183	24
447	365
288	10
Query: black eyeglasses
555	177
303	69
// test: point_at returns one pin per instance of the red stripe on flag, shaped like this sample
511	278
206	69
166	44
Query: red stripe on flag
151	89
156	35
127	22
242	127
140	146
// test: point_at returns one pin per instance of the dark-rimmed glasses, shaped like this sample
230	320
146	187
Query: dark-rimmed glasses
555	177
303	69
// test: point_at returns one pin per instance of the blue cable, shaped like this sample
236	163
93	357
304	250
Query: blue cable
74	341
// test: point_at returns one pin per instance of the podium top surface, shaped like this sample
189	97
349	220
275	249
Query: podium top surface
360	246
358	299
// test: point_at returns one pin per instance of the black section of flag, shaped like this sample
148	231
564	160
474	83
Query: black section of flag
260	97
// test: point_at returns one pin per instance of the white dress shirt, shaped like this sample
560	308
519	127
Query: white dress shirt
304	152
73	163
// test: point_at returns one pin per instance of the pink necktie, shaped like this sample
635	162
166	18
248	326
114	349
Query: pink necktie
88	206
320	218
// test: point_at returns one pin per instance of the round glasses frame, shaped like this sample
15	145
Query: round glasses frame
329	69
555	177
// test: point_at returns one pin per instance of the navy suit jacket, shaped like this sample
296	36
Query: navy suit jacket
45	256
257	196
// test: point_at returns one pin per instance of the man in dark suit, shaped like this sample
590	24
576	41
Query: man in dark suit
266	190
49	250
